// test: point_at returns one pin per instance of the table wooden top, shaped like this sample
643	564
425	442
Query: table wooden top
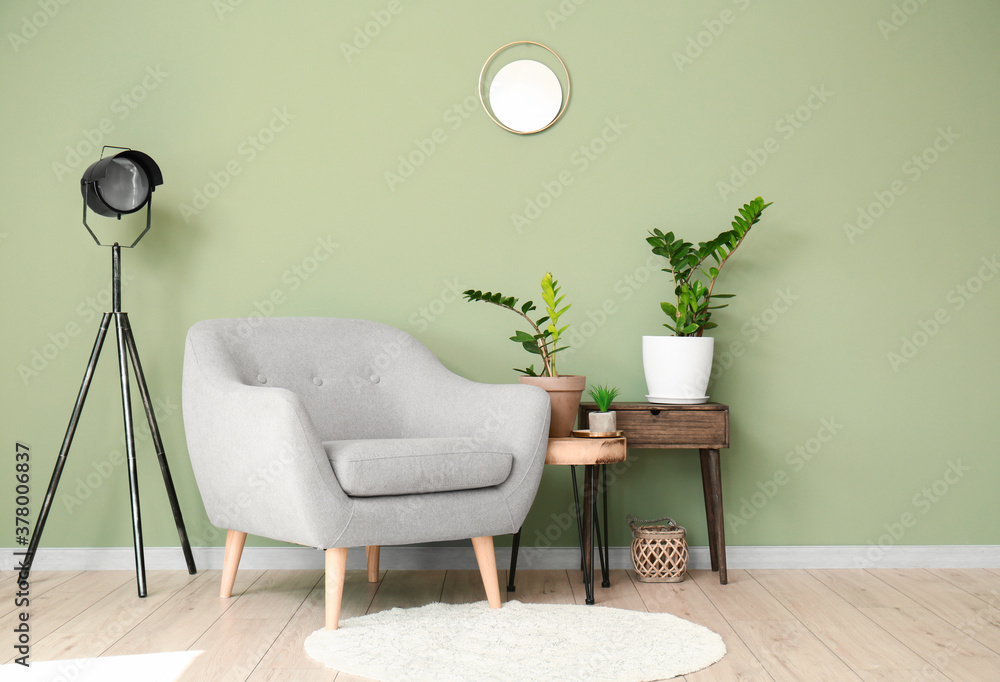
624	407
585	451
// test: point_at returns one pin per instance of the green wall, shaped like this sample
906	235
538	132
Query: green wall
864	332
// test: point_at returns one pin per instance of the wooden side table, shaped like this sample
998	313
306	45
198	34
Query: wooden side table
593	454
700	427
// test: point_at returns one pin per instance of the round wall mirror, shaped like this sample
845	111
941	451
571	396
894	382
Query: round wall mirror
525	96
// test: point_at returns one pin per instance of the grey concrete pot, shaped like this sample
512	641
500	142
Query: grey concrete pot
602	422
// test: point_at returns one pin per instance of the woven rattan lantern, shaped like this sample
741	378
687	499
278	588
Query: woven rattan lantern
659	552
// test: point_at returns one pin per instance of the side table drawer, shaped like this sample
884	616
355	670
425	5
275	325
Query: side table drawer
653	427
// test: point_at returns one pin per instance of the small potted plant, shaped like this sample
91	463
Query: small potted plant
678	367
604	420
543	340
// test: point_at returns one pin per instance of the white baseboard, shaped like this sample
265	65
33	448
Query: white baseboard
408	557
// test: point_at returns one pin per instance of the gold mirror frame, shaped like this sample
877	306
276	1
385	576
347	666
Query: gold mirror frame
487	108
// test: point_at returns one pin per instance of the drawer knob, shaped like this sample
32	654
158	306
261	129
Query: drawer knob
654	412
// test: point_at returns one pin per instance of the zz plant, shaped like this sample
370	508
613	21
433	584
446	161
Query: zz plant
543	339
690	313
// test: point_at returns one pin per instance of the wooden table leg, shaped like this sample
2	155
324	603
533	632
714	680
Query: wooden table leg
711	474
706	482
588	531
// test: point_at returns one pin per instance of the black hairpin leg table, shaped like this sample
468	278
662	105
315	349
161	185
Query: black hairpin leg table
592	454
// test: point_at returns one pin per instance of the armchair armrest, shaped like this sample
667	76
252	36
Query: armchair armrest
258	462
516	415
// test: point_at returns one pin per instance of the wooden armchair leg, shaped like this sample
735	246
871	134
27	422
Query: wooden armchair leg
486	558
231	562
336	568
371	552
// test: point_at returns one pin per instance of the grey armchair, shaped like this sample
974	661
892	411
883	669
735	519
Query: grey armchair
336	433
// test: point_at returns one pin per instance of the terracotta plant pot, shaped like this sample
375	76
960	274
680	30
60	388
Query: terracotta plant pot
564	394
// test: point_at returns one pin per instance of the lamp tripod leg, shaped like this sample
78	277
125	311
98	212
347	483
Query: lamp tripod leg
154	431
121	325
50	494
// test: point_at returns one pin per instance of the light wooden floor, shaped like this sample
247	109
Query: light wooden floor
886	624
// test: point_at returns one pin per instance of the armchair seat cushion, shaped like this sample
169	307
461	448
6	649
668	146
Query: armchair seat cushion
408	466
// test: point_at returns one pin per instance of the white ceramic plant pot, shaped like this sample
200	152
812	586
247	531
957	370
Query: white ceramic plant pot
677	368
602	422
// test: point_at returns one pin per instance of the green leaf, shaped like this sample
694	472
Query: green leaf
523	337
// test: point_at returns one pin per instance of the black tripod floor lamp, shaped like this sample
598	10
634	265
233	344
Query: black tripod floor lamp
115	185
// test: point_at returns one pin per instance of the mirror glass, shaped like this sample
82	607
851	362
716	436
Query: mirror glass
526	95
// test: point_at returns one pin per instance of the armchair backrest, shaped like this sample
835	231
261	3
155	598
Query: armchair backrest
354	377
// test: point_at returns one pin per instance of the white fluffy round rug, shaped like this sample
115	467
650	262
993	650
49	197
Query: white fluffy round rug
517	642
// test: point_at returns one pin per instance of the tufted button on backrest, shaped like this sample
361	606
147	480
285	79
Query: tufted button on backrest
363	367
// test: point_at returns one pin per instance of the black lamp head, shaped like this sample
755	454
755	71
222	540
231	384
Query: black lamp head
119	184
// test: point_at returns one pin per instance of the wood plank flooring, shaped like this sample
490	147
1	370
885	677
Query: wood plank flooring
875	625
